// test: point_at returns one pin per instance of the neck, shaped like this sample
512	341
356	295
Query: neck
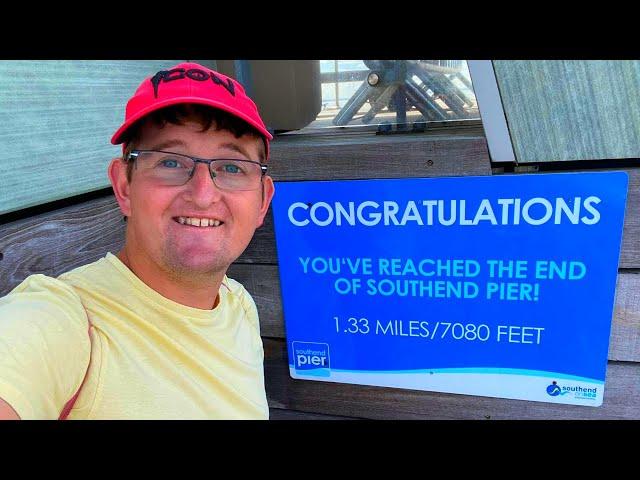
197	291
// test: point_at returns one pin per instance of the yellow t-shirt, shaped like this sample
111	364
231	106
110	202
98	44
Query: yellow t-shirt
151	358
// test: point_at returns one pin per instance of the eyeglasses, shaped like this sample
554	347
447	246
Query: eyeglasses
174	169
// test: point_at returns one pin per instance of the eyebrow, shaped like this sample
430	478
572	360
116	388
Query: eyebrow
227	145
168	144
239	149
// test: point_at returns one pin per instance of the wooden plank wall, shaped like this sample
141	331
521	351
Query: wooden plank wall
57	241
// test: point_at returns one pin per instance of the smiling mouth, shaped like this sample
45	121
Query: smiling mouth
198	222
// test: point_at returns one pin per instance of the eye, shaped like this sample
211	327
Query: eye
231	168
171	163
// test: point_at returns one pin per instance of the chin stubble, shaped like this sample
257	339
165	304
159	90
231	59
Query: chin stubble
180	270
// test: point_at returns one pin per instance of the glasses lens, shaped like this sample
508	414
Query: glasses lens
236	174
165	168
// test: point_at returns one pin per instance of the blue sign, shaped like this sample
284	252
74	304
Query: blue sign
498	286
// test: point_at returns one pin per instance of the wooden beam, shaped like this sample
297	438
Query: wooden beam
55	242
280	414
361	156
630	250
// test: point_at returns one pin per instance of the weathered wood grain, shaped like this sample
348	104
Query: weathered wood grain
58	241
359	156
280	414
630	249
263	282
621	398
625	329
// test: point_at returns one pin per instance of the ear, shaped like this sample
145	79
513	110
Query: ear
118	176
268	189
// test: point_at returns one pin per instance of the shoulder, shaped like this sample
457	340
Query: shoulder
236	292
58	298
234	286
42	288
42	299
93	272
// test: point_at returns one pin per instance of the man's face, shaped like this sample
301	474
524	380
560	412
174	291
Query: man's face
155	233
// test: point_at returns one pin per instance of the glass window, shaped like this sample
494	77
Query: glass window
402	92
301	96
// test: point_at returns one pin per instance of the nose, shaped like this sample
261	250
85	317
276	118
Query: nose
200	189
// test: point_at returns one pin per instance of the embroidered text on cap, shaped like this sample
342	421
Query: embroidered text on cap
193	73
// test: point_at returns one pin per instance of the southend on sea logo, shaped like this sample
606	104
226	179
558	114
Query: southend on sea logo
579	392
554	390
310	358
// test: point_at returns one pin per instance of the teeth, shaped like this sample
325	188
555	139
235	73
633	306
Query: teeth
199	222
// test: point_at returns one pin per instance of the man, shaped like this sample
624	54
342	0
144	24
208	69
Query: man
157	331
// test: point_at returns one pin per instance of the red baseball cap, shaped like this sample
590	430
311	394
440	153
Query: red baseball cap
191	83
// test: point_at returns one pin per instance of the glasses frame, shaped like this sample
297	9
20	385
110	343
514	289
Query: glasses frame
133	156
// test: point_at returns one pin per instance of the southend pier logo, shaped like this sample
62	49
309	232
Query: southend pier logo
555	390
310	358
